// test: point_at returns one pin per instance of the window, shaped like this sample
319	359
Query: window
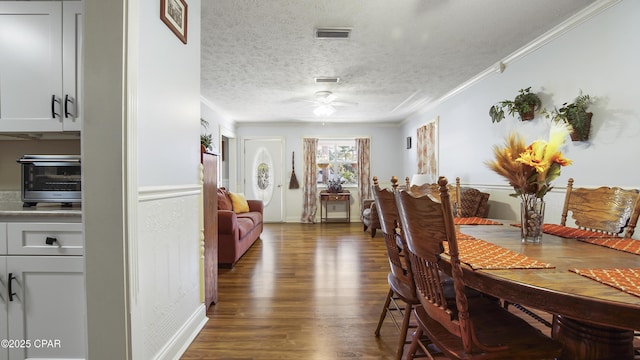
337	159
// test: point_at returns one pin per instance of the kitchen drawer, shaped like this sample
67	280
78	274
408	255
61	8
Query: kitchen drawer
44	239
338	197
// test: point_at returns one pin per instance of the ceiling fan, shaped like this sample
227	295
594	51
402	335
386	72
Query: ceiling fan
325	103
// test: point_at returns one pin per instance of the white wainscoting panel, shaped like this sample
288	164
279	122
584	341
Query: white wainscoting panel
166	307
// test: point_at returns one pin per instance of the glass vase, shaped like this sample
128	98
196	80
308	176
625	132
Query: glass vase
531	219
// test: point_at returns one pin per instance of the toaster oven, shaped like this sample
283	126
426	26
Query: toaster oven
51	178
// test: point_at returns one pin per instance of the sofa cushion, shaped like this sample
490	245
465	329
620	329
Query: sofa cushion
224	203
255	217
245	225
239	203
473	202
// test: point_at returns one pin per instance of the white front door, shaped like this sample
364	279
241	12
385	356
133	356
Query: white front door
263	173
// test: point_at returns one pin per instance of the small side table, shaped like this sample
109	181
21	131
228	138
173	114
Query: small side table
327	197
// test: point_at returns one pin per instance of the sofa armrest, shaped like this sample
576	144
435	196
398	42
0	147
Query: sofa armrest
227	222
366	203
256	205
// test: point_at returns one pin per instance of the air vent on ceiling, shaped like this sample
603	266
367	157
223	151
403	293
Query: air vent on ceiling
332	33
326	79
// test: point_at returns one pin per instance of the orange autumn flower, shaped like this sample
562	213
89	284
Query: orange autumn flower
530	169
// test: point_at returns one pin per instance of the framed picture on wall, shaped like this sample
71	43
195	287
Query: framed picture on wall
174	14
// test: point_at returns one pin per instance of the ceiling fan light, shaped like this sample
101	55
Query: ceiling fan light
324	111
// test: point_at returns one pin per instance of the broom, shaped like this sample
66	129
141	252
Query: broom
293	183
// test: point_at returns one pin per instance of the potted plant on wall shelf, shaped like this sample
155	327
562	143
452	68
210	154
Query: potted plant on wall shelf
205	139
526	104
576	115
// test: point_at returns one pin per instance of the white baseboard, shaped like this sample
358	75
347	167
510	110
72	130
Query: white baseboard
185	335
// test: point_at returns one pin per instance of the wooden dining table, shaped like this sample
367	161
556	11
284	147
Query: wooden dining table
591	319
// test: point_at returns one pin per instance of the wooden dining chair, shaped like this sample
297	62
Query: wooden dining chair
434	190
608	210
466	327
401	285
633	221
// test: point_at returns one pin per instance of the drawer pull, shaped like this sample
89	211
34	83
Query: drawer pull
11	293
50	240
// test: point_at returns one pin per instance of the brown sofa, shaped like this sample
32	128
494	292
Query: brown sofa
370	218
236	231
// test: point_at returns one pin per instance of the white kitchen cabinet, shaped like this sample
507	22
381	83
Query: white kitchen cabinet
40	66
4	310
42	293
46	309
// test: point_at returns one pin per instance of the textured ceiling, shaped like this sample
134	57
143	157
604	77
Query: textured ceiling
260	57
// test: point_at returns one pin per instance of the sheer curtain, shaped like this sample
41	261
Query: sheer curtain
364	169
309	187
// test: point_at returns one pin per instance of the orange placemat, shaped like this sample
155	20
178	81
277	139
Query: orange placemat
572	233
474	221
569	232
622	244
480	254
627	280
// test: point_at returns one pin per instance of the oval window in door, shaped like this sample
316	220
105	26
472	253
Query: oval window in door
263	175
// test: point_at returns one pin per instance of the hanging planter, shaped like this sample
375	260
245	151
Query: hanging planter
576	115
581	132
525	104
528	114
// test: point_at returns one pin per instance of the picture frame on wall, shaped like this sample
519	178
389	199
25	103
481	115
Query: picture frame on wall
174	13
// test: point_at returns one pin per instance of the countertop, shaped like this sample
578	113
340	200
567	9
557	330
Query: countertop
16	209
10	205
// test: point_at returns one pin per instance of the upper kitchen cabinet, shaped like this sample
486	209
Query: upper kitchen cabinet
40	66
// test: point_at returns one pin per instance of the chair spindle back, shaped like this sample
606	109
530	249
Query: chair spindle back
426	224
394	241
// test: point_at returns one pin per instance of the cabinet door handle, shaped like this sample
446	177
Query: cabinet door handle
50	240
54	100
11	293
68	99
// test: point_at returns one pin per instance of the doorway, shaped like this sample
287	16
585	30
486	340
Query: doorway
263	174
224	163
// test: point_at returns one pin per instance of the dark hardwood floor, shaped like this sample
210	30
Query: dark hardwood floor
304	291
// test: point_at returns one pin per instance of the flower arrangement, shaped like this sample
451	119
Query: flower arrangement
530	169
335	185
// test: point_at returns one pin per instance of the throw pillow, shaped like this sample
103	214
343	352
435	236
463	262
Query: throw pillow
224	203
240	204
